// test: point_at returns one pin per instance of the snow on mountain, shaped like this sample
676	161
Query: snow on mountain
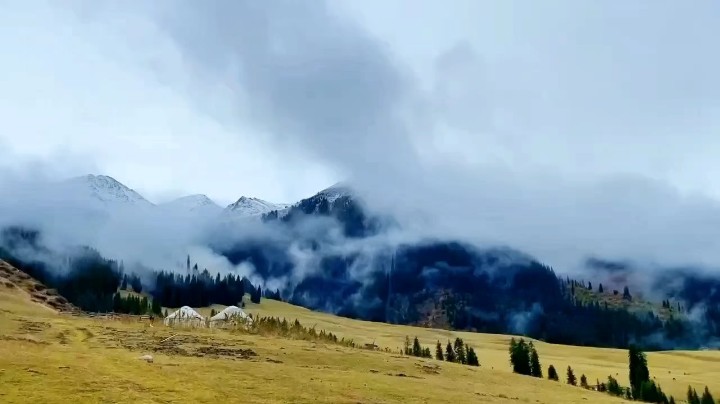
192	204
106	191
249	207
334	192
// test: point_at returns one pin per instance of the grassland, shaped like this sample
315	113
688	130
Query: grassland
49	357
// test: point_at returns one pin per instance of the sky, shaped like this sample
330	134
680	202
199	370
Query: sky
559	126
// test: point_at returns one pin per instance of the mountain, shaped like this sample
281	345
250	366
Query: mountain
252	207
106	194
105	190
336	192
192	204
329	252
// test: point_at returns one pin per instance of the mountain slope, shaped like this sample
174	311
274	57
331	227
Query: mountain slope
192	204
251	207
105	191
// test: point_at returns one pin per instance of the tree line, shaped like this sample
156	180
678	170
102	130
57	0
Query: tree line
457	351
136	305
525	360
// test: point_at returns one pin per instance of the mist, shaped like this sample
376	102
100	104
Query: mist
603	147
323	84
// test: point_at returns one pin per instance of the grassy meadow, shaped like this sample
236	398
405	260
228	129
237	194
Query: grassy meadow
46	357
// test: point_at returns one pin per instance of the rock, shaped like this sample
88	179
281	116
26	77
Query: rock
147	358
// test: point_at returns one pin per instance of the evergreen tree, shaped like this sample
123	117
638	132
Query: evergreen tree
707	398
589	285
626	294
552	373
520	356
600	288
692	396
571	377
613	387
156	307
650	392
639	372
146	306
583	382
407	350
535	367
426	353
416	349
136	284
124	284
672	400
255	295
165	313
439	352
472	358
450	353
460	351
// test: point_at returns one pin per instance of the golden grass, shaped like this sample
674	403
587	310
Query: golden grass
46	357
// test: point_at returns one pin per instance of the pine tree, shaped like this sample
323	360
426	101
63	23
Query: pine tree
156	307
427	353
600	288
407	350
583	382
439	352
613	387
672	400
535	367
626	294
707	398
589	285
472	358
639	372
552	374
144	306
450	353
519	356
416	349
460	351
571	377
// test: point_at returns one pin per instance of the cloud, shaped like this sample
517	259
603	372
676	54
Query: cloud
565	166
564	130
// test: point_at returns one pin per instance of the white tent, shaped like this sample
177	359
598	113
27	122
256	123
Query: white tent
185	316
230	313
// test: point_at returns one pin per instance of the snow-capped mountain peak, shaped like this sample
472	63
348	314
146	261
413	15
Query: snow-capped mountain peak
107	190
247	206
336	191
193	203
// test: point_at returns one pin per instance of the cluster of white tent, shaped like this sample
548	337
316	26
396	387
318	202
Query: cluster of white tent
186	316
